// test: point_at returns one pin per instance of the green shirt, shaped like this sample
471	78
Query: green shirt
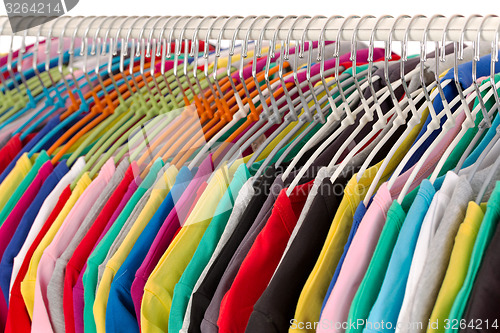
89	278
483	239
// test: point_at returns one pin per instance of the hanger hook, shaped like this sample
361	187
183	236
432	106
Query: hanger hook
289	35
195	44
494	59
247	36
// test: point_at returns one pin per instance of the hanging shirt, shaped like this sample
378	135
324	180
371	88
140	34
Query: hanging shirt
281	295
442	244
101	189
18	319
482	307
312	295
84	297
159	288
242	201
30	281
391	294
203	295
369	287
120	310
20	235
90	277
160	190
457	268
89	234
12	181
166	232
184	288
211	315
484	236
44	212
11	223
430	224
9	150
262	259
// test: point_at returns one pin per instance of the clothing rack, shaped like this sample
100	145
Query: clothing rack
133	26
317	180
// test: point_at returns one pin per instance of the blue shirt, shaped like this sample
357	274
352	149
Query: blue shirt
358	216
120	310
390	298
24	227
450	92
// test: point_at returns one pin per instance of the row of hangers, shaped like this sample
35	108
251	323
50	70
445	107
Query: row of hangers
134	93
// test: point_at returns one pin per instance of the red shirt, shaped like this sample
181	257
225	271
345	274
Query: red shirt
18	319
261	261
82	252
9	151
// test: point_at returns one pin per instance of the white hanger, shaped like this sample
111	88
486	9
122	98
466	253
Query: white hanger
383	120
414	121
449	124
469	122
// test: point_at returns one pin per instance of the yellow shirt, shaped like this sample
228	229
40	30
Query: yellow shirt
311	298
458	266
158	194
28	283
159	289
14	178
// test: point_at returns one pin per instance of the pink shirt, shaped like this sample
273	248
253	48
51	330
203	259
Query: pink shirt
41	319
364	242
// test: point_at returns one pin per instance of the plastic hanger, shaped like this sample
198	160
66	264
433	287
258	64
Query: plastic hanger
241	113
449	124
292	115
470	120
383	120
306	117
488	180
225	117
413	121
346	122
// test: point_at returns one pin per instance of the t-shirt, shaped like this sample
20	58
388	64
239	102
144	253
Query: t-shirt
44	212
30	280
391	295
10	225
47	266
9	150
12	181
457	268
124	176
274	309
482	306
166	233
371	283
165	181
120	309
242	201
205	292
430	224
20	235
262	259
159	288
490	222
18	319
90	277
184	288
